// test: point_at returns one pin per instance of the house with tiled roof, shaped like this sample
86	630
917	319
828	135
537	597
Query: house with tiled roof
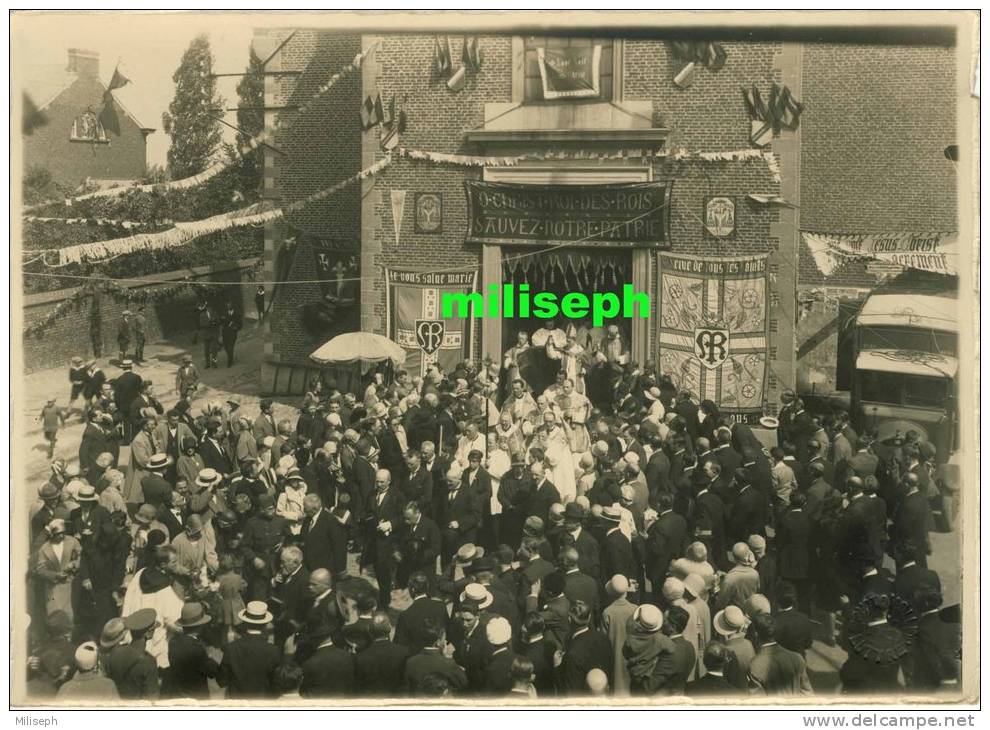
71	136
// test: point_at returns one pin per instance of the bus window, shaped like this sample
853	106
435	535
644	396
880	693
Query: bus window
925	392
879	387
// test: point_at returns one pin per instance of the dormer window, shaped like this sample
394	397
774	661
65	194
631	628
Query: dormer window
87	128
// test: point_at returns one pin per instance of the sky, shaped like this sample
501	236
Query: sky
149	46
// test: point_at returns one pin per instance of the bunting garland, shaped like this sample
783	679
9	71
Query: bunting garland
218	167
96	222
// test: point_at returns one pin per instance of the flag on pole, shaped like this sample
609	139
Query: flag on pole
108	117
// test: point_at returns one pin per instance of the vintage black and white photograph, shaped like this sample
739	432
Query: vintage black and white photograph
513	359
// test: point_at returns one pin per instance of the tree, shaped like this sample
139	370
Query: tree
251	119
191	119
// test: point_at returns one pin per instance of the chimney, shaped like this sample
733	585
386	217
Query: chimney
84	63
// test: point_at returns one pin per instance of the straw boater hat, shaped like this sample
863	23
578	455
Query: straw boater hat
86	493
477	595
769	422
208	478
159	461
256	613
648	617
468	553
611	514
730	620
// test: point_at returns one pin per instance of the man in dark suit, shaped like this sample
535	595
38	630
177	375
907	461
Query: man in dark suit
322	609
432	659
460	515
749	511
543	495
685	657
910	576
863	463
467	633
498	680
727	457
249	662
793	550
658	467
419	544
329	672
714	683
534	647
618	557
794	629
587	649
154	486
589	552
858	530
410	628
190	667
417	483
362	479
214	451
317	543
379	669
290	599
709	524
911	519
666	541
774	669
95	441
577	585
172	513
383	524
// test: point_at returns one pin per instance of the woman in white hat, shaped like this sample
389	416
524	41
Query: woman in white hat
290	502
56	566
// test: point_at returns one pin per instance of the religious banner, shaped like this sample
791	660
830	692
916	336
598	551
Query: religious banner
714	329
338	270
570	73
414	321
720	217
935	252
626	214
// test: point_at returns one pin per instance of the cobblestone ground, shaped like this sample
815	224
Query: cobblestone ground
243	380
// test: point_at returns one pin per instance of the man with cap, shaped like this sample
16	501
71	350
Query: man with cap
264	535
126	387
249	662
514	493
741	581
187	376
467	633
130	666
124	329
231	322
498	681
190	667
731	624
209	329
154	487
51	508
362	478
77	379
618	556
88	684
615	617
648	652
589	551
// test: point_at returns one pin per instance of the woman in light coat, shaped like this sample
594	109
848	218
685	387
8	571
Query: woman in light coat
56	566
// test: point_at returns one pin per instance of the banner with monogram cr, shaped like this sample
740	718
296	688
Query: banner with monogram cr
714	329
414	321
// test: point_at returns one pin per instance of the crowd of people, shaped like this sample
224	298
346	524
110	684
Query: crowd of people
464	534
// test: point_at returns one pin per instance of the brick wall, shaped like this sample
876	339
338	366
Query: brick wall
876	123
315	149
71	162
75	333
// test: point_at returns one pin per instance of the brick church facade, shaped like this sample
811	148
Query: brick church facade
867	156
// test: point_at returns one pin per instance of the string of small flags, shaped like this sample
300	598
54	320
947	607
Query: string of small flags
218	167
96	222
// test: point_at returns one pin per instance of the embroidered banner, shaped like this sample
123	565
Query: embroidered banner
935	252
714	329
414	321
569	73
625	214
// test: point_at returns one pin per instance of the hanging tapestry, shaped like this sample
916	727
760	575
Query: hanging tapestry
714	329
414	321
569	73
338	271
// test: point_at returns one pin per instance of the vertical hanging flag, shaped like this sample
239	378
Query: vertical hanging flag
456	82
108	117
398	207
471	55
